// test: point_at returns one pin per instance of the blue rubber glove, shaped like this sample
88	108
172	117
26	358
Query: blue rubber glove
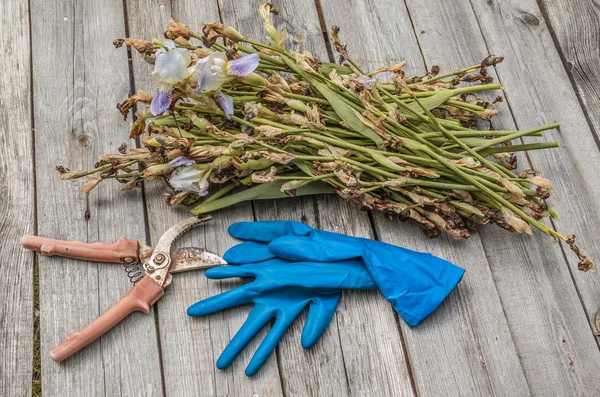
281	290
415	283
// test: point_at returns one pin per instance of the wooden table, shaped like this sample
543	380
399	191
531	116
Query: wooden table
520	322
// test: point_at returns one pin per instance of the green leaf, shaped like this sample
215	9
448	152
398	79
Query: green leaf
432	101
328	67
343	110
383	160
263	191
304	166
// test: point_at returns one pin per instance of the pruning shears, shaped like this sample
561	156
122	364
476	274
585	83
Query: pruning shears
159	263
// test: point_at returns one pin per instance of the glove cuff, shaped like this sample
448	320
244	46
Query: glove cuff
431	299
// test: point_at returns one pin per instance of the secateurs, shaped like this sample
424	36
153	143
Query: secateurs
159	264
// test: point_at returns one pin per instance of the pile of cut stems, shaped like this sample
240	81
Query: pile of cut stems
409	146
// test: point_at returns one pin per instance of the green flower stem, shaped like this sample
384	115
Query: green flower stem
305	98
519	148
451	74
474	133
245	98
309	178
465	105
499	199
233	92
125	176
264	67
514	135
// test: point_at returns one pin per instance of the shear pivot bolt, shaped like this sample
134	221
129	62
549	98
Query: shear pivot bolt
160	258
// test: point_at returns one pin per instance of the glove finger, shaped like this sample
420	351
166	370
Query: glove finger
271	340
222	272
235	297
268	230
308	249
248	252
320	313
258	318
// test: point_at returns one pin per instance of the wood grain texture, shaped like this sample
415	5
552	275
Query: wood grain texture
78	77
465	347
17	203
361	352
540	301
575	26
191	346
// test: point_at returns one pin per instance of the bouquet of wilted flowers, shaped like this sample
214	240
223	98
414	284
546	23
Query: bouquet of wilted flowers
258	121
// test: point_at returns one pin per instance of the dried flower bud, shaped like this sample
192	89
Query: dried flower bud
212	31
487	114
265	10
277	84
143	47
396	69
280	158
512	188
585	262
270	131
515	222
357	196
177	29
396	183
467	162
313	115
66	174
335	152
263	177
90	183
156	171
417	171
128	103
131	184
273	97
541	182
172	200
289	188
347	178
306	61
335	78
335	38
492	60
300	88
182	41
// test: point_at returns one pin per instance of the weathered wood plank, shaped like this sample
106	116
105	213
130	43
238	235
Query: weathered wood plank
77	80
361	353
191	346
465	347
575	25
542	306
17	209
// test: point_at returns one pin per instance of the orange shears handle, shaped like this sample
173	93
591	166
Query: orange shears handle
145	293
122	251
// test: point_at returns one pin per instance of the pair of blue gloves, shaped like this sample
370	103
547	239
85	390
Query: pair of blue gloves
295	266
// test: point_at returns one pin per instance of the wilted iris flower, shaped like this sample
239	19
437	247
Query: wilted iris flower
190	179
171	66
215	70
179	161
226	102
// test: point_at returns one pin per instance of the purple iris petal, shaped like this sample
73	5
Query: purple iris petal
179	161
243	66
226	103
368	83
161	102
